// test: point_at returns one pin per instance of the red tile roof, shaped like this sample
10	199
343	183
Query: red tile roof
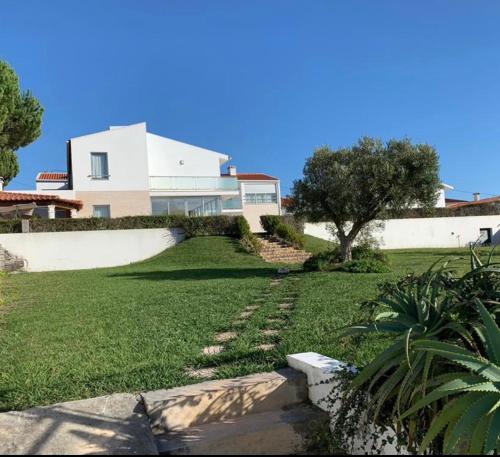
51	176
484	201
19	197
253	177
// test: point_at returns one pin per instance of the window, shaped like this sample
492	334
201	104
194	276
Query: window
486	235
99	165
259	199
102	211
186	206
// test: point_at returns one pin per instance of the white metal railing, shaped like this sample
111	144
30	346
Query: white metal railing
187	183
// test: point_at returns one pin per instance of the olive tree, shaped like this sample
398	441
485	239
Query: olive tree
20	121
351	187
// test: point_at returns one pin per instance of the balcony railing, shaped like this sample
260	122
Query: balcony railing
193	183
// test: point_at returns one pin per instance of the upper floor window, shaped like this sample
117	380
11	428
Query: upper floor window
259	199
99	165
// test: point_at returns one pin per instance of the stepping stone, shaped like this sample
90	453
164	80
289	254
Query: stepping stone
239	323
246	314
275	321
283	271
212	350
201	373
225	337
266	347
252	308
270	332
285	306
257	300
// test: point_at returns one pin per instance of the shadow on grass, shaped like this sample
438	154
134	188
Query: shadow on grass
197	274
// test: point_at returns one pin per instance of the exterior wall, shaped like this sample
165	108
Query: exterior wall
168	157
51	185
87	250
321	372
122	203
253	212
437	232
127	160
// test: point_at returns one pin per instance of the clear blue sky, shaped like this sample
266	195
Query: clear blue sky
265	81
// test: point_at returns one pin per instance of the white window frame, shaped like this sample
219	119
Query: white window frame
100	154
101	206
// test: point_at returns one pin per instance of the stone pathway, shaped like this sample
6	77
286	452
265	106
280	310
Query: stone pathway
282	301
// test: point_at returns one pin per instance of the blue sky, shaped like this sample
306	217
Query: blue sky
266	81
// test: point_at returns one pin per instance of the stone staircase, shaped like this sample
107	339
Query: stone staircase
9	262
277	252
265	414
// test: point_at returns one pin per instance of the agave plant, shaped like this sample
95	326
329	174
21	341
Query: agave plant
470	419
412	310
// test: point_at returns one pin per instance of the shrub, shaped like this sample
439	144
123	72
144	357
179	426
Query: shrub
365	260
364	265
249	242
270	223
276	227
324	261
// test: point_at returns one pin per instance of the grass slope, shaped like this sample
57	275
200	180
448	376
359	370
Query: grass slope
80	334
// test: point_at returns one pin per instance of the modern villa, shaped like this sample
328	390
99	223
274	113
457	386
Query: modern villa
127	171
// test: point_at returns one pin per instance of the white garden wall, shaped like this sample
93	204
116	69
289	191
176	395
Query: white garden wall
435	232
90	249
321	372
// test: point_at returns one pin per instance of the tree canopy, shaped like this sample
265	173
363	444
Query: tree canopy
20	120
351	187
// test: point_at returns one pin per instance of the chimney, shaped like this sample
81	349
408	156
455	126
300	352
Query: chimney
1	183
477	196
231	170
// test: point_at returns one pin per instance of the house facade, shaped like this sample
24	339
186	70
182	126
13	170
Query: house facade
127	171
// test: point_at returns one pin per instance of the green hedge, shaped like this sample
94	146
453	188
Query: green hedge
193	226
276	227
418	213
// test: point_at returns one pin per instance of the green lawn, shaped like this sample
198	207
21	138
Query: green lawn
72	335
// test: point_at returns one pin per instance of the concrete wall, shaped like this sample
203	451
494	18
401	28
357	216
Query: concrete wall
437	232
86	250
321	372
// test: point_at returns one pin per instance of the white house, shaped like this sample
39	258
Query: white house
127	171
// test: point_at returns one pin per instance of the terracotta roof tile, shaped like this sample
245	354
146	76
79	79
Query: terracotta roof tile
484	201
20	197
52	176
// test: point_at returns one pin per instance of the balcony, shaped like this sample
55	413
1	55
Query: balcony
193	183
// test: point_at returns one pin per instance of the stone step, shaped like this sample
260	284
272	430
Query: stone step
276	252
269	433
9	262
224	400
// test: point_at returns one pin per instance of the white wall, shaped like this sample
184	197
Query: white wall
127	159
321	372
91	249
436	232
165	156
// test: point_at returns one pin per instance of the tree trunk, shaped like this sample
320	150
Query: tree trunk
346	249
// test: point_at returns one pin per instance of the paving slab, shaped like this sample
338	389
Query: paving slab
111	425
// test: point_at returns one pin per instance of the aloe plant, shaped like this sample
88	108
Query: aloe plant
413	311
470	420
